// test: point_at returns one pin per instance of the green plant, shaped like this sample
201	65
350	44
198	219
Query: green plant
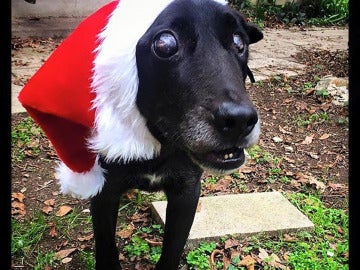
274	174
328	247
258	154
343	121
44	260
313	12
87	259
199	258
322	93
330	11
285	180
137	247
154	255
314	118
212	179
309	85
154	228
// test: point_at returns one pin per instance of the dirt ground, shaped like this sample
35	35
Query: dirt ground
303	134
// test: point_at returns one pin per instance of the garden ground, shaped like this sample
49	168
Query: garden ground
303	149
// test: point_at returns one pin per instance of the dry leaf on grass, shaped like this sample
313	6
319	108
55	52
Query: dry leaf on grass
126	232
50	202
47	209
229	243
248	262
63	210
310	180
52	231
63	253
86	237
66	260
308	139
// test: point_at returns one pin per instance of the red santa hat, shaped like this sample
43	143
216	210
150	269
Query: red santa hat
84	96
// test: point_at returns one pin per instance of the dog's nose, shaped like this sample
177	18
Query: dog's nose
235	121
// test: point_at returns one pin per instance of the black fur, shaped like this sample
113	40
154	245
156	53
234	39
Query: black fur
192	94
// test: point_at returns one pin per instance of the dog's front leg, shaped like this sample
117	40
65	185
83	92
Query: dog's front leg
104	210
180	214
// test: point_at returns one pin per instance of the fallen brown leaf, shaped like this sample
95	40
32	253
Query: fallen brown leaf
246	169
18	196
289	238
248	262
66	260
324	136
50	202
308	139
126	232
63	210
137	217
198	207
336	186
52	231
86	237
231	243
310	180
263	254
47	209
282	130
63	253
18	209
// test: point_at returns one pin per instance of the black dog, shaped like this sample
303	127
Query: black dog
192	66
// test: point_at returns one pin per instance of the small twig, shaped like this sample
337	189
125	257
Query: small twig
154	243
45	185
212	258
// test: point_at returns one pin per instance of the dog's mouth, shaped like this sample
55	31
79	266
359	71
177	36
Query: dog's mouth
223	160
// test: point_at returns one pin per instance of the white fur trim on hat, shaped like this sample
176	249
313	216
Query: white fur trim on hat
80	185
120	131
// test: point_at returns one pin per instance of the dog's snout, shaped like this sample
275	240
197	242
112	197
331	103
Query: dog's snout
234	120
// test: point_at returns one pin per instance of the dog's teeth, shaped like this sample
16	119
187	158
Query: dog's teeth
231	155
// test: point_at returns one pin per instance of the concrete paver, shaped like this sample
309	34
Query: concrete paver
241	215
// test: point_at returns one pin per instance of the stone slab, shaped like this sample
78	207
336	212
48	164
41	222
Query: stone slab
241	215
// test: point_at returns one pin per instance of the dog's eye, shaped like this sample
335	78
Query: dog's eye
165	45
238	43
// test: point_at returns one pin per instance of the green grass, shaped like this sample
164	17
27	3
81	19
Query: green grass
24	137
44	260
27	234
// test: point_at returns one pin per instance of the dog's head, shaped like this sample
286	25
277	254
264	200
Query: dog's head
192	66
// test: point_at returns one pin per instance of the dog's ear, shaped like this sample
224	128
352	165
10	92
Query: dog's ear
253	32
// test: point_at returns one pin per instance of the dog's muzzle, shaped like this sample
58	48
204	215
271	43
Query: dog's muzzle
238	126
